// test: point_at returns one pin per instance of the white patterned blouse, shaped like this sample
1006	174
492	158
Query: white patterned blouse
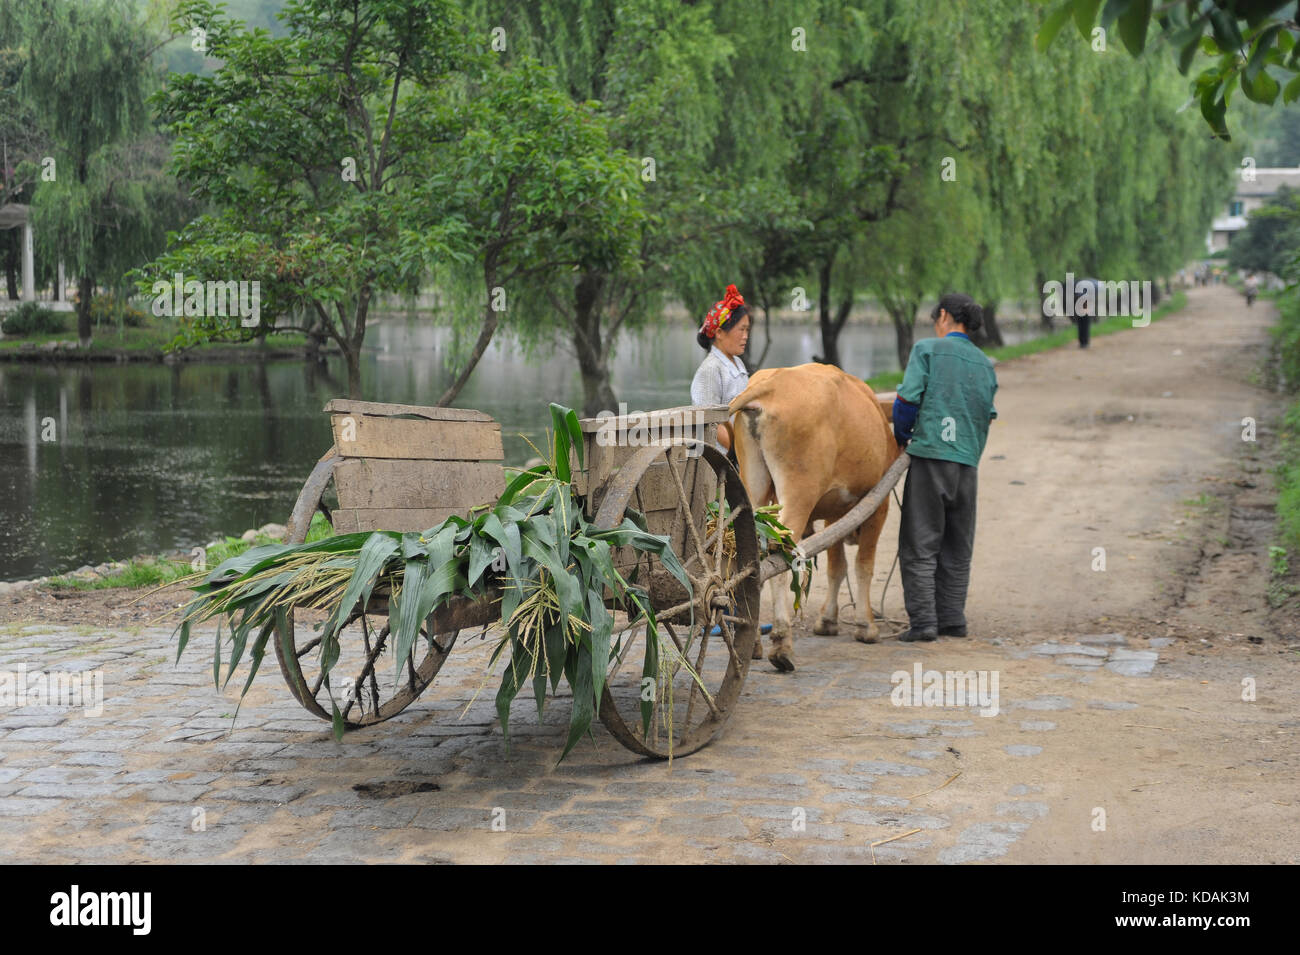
718	379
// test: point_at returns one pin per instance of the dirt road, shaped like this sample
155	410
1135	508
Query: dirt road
1135	446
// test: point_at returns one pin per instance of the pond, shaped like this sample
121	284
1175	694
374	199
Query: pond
108	461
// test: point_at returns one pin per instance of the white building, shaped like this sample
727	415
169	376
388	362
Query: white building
1254	188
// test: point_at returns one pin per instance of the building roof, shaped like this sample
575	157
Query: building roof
12	215
1268	181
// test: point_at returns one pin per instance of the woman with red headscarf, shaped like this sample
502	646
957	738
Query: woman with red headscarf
722	375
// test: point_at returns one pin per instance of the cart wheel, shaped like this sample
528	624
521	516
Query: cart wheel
366	686
364	681
674	491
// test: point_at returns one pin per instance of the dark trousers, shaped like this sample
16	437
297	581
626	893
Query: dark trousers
1084	323
935	540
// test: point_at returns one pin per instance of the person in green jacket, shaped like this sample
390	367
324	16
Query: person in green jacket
941	416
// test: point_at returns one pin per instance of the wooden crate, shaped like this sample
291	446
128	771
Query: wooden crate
408	467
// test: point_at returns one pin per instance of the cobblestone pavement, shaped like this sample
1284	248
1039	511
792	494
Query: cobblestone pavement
814	766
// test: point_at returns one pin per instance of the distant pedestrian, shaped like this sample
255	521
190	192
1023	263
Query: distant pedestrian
1084	312
1252	288
942	414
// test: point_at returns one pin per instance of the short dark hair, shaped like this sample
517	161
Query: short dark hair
737	313
963	309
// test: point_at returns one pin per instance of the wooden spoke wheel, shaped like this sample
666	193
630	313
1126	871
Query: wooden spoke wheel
364	682
707	635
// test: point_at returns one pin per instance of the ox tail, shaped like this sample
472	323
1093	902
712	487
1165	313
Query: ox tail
754	472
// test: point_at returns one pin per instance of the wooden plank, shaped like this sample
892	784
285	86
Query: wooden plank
348	520
886	401
367	436
348	406
385	483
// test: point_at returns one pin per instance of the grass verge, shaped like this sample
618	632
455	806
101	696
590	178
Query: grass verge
145	338
157	571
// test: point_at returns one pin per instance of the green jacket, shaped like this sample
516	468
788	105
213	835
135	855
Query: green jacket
953	383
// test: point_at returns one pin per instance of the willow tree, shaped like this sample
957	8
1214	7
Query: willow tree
857	103
23	143
1251	45
102	203
541	194
649	69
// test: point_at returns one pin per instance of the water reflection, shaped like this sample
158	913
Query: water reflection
152	457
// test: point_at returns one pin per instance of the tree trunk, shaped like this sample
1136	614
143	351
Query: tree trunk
352	354
830	331
11	267
1039	281
904	318
85	291
315	338
490	322
767	339
355	341
991	335
597	392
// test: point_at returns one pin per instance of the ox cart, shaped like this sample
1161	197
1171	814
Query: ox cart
407	468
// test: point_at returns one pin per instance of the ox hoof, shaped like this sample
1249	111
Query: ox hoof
781	660
867	637
758	649
826	628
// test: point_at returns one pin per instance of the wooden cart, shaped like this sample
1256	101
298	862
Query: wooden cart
406	468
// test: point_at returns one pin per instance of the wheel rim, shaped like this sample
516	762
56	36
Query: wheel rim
363	682
668	487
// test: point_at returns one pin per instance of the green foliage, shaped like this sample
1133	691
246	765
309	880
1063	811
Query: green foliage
1286	341
1271	240
31	318
1288	481
158	572
372	146
1245	40
80	72
115	311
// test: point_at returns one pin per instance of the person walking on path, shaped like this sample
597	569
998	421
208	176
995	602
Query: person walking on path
941	416
1084	312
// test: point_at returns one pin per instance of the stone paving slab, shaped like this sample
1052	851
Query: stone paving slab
814	766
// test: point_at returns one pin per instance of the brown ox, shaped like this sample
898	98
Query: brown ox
815	440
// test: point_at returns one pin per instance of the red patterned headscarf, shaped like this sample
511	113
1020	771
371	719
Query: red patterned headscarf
721	311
